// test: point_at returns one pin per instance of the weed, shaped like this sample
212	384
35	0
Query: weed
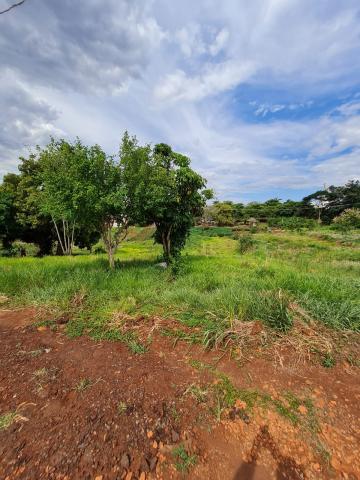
246	243
6	420
175	414
122	408
201	365
353	360
197	392
183	459
225	395
328	361
83	384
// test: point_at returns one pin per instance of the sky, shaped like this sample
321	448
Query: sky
262	95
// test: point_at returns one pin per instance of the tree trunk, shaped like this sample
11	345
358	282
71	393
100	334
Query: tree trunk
165	236
111	259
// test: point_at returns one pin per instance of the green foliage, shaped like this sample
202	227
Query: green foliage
292	223
328	361
20	249
348	219
20	214
335	199
222	213
246	243
173	196
6	420
184	461
212	232
217	287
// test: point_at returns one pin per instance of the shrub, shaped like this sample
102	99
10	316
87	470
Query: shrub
292	223
99	249
246	243
349	218
21	249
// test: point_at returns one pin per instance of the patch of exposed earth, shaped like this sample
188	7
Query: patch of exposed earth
80	409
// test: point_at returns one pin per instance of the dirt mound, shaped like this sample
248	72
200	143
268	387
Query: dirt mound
79	409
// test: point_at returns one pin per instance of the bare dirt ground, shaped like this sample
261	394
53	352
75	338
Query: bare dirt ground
80	409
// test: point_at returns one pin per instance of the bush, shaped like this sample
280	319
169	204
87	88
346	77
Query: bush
246	243
348	219
212	231
21	249
99	249
292	223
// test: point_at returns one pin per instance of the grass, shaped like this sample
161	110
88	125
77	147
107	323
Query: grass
217	287
183	459
83	384
6	420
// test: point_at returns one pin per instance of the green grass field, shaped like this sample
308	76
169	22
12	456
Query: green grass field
217	284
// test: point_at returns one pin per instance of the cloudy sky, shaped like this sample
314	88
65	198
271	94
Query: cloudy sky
263	95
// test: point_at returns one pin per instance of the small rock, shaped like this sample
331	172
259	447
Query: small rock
125	461
244	416
153	463
98	477
145	467
240	404
175	437
162	265
302	409
232	414
155	444
128	476
142	476
149	434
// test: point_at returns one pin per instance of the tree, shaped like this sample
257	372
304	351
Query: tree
175	194
64	169
9	226
109	200
223	213
333	200
20	205
136	167
349	218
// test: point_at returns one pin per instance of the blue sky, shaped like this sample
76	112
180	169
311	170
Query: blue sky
263	95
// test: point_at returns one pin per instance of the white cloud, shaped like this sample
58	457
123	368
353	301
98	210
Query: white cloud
212	80
220	42
167	71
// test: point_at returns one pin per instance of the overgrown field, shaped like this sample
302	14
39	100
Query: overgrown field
271	277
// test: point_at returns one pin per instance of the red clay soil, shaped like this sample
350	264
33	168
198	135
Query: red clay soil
82	409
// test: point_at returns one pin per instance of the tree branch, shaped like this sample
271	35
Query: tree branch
12	6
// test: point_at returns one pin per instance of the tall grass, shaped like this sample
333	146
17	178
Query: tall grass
217	286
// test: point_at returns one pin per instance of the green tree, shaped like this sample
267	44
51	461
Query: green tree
349	218
331	201
20	200
223	213
109	199
175	194
9	226
136	167
64	171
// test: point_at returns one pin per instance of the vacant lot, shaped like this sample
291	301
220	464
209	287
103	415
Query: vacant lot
275	394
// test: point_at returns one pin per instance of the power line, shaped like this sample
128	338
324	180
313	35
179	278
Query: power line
12	6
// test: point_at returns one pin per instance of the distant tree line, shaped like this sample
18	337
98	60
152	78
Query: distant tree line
71	194
322	205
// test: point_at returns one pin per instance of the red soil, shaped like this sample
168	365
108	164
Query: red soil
93	410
